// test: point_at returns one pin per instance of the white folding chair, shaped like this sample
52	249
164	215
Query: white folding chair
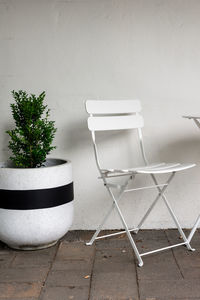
121	115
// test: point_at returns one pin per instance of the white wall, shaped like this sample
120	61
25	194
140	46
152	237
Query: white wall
75	50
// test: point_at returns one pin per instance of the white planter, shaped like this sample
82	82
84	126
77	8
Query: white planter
36	204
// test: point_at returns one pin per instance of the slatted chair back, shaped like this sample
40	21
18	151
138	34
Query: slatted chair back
114	114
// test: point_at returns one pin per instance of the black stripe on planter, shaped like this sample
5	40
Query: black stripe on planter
36	199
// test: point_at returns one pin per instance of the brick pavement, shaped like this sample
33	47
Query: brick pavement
104	271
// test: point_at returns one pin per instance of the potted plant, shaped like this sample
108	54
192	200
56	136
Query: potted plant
36	192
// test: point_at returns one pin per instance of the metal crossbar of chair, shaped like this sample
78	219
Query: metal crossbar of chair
131	120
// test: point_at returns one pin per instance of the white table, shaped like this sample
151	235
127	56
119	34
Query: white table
196	119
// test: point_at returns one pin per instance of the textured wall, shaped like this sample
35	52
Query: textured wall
75	50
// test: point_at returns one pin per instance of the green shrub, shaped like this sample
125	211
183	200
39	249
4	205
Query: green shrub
31	139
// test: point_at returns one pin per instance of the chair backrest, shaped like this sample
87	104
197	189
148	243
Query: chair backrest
114	114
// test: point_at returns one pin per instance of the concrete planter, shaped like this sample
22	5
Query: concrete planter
36	205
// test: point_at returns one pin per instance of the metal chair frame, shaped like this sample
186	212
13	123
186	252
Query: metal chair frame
105	174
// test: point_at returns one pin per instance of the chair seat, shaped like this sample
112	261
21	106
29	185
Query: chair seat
157	168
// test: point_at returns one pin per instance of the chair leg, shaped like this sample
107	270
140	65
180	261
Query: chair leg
140	261
109	211
173	216
101	225
154	203
194	228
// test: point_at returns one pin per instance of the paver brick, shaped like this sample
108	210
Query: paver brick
114	285
159	266
29	298
169	289
66	293
76	250
23	275
114	260
6	258
174	237
19	290
76	265
72	266
120	241
150	240
67	278
33	259
114	275
188	261
150	234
